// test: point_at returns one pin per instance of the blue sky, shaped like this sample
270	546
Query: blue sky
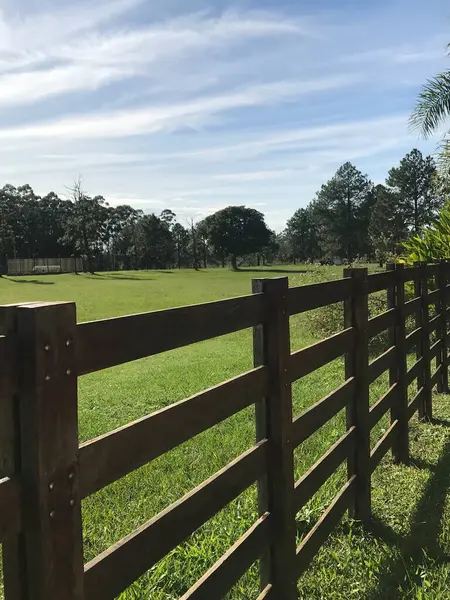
195	105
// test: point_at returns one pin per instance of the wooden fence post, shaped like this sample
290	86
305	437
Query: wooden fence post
424	380
397	375
442	358
49	447
356	315
271	344
13	550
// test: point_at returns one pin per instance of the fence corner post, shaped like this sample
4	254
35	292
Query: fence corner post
356	315
443	326
49	448
271	345
397	375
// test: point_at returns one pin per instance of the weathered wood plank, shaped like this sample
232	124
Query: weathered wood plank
110	342
414	372
321	412
433	297
398	392
321	471
324	526
442	358
380	322
113	455
380	281
307	297
433	323
381	364
356	314
49	450
415	402
272	347
107	575
10	508
435	349
383	445
411	274
413	338
267	593
434	380
317	355
425	412
219	579
383	405
412	307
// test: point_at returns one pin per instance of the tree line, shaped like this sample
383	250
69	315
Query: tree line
350	217
121	237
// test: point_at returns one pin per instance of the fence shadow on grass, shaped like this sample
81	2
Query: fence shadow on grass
33	281
423	539
101	277
268	270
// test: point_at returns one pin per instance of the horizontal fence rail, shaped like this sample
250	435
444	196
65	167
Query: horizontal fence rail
43	351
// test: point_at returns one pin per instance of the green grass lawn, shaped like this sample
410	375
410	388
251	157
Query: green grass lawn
402	556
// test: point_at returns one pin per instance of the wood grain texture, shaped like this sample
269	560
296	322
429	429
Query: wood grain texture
415	402
307	297
381	364
317	355
49	450
356	314
380	281
321	471
272	348
113	455
103	344
321	412
383	445
385	403
380	322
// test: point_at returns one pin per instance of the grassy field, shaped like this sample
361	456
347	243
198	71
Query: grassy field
404	554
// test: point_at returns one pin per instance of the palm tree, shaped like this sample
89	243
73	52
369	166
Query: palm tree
433	105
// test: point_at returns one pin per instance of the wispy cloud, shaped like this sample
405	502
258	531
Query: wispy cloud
163	104
158	118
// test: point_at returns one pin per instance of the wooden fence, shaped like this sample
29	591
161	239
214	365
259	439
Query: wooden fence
46	474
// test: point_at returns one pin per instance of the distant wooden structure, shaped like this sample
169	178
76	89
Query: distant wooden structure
42	266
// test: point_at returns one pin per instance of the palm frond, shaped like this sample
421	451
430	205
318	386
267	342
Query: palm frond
433	106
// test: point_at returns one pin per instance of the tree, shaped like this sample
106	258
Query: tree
387	226
412	182
301	234
153	243
87	224
433	105
341	210
235	231
181	240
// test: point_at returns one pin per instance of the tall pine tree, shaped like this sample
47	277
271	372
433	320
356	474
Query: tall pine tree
342	209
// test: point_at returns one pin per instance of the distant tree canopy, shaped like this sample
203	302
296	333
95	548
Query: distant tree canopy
236	231
350	217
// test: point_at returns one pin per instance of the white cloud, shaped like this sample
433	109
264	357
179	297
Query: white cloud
170	117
